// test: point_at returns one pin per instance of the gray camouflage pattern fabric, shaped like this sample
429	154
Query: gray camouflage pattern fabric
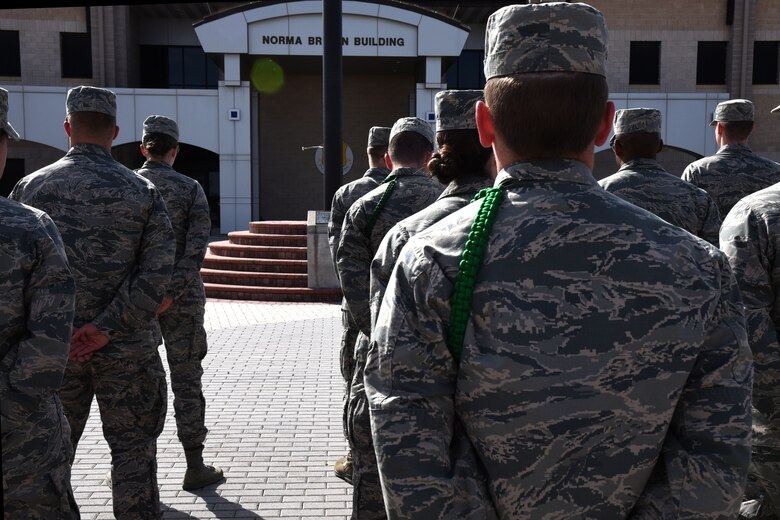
605	371
457	109
413	124
732	173
120	248
4	124
37	298
161	125
645	183
733	110
343	199
456	195
750	237
637	120
90	99
547	37
414	191
378	137
182	324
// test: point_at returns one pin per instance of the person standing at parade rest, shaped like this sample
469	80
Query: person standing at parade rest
642	181
554	351
120	249
735	170
462	164
182	313
750	237
37	300
378	137
408	189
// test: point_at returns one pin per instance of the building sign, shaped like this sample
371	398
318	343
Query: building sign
347	159
301	35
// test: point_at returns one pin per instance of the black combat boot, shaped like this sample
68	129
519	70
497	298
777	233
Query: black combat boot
198	474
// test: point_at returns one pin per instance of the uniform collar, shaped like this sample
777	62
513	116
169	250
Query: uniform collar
406	172
641	164
734	148
88	149
378	174
546	170
156	165
470	184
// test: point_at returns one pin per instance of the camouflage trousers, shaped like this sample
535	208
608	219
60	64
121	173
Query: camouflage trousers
44	494
763	484
132	397
367	501
185	347
347	361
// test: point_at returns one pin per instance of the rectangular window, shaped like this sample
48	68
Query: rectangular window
644	66
467	72
76	55
10	58
711	63
765	63
176	67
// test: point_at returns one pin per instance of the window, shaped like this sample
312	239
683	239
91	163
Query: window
76	55
644	63
765	61
10	58
176	67
467	72
711	63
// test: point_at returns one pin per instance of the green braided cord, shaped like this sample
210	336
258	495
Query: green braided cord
470	261
379	206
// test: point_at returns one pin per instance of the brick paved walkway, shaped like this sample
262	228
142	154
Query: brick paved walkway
273	392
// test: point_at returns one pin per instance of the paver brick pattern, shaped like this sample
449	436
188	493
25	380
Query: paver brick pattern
273	408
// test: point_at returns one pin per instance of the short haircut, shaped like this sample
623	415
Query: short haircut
639	145
408	147
157	144
737	130
377	153
460	153
547	114
92	123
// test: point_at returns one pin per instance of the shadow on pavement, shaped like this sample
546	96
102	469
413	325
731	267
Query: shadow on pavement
220	507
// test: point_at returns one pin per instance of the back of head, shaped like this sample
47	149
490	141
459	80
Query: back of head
546	70
160	136
460	152
378	140
91	112
638	131
411	141
736	119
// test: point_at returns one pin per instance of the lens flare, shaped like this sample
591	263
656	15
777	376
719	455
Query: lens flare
267	76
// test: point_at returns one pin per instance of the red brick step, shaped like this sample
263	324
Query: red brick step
279	227
225	248
260	265
260	239
283	294
217	276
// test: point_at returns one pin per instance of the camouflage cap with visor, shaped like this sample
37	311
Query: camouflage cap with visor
732	111
456	109
91	99
636	121
161	125
412	124
379	137
4	124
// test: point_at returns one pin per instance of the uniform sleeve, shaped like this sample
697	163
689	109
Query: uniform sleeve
382	266
187	268
135	303
49	298
690	174
703	466
427	466
353	261
334	226
711	222
750	248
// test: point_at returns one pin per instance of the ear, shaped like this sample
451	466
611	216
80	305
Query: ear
485	126
66	126
660	145
388	162
605	126
116	132
143	150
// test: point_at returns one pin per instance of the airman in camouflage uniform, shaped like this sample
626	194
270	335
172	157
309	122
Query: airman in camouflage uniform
120	247
36	297
642	181
378	138
461	163
750	237
406	190
605	371
181	316
734	171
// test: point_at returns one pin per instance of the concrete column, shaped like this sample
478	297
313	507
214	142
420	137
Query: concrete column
425	94
319	264
740	64
235	156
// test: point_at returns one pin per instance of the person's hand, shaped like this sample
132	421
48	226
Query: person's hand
165	305
85	341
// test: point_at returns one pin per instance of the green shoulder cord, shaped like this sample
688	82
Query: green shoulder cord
379	206
470	261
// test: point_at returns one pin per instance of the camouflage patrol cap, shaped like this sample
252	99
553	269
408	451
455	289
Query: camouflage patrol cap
774	110
456	109
412	124
378	137
637	120
161	125
4	124
548	37
733	110
91	99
